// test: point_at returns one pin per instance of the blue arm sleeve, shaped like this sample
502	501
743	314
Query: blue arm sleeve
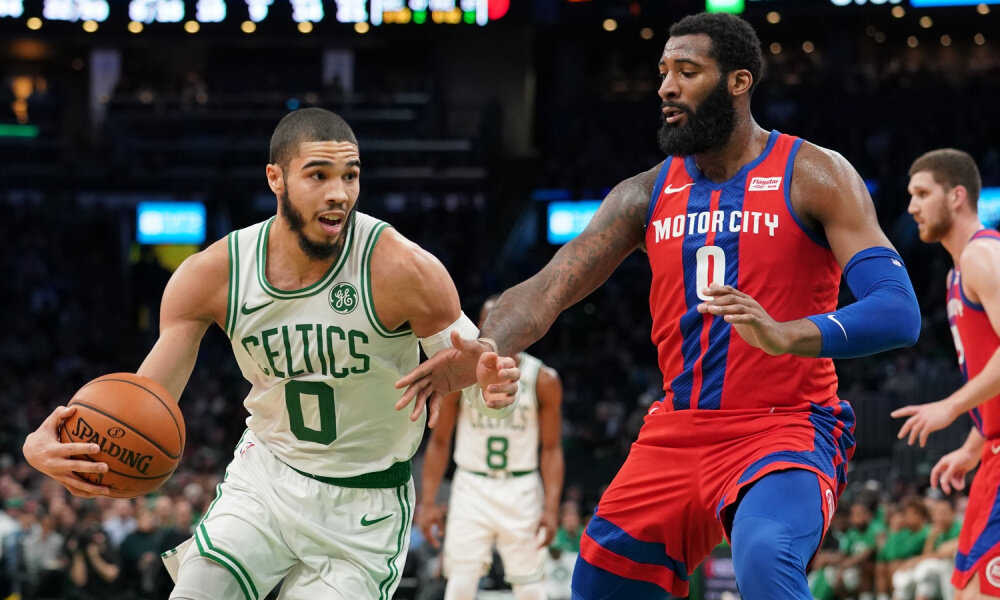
886	314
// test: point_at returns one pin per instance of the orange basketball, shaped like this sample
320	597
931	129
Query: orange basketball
138	426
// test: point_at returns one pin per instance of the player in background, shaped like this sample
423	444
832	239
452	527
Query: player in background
497	496
944	193
747	232
325	307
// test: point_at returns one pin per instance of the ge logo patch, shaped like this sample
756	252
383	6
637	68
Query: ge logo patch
343	298
993	572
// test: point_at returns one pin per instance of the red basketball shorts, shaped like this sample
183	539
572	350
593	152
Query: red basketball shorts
979	542
668	505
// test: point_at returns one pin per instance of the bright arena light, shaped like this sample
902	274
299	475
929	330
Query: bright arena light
135	26
90	26
191	26
34	23
610	25
774	17
248	26
305	27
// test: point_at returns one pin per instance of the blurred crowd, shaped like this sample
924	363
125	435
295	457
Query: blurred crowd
80	298
899	549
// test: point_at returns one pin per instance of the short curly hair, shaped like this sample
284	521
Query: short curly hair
735	44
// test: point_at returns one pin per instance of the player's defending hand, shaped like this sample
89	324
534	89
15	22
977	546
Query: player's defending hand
749	318
466	362
43	451
949	472
430	520
924	420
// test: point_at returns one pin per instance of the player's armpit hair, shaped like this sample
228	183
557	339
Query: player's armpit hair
437	342
886	314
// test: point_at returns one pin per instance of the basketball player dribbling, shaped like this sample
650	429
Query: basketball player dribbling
944	194
325	307
506	488
747	232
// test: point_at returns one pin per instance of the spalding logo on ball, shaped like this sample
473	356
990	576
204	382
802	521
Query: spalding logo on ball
138	426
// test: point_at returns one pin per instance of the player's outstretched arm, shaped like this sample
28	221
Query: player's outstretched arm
409	285
981	285
185	315
827	194
195	297
525	312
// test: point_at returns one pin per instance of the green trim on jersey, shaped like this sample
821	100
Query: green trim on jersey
309	290
234	283
366	287
226	560
403	496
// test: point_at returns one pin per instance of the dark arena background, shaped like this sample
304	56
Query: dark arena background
133	133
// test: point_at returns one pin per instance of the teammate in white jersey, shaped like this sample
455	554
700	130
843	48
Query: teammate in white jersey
497	496
325	307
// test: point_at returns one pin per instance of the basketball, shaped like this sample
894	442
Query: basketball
138	426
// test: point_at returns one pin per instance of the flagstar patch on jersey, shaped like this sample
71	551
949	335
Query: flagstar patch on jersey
343	298
760	184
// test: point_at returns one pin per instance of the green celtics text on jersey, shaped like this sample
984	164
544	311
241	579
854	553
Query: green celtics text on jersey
484	444
321	364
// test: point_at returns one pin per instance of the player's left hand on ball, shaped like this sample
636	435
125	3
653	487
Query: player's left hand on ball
924	419
498	377
747	316
62	461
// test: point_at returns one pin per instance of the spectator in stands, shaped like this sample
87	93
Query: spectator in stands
907	535
928	576
44	559
856	573
119	520
94	567
823	574
140	556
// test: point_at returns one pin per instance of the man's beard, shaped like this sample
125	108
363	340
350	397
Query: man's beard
314	250
935	232
708	128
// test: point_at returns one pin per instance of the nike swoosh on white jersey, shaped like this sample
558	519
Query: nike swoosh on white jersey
834	319
673	190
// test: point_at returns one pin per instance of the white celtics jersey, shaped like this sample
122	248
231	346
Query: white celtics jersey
483	444
321	364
